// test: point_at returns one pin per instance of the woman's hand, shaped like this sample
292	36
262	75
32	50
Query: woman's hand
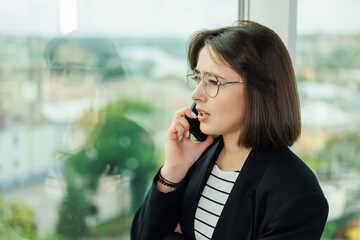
180	151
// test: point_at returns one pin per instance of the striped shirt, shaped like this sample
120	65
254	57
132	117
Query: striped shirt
212	202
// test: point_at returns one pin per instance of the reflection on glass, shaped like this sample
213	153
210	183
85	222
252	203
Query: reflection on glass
82	116
112	150
97	159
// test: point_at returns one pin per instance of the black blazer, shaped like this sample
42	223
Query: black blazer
276	196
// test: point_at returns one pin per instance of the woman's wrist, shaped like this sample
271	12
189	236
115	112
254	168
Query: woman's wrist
166	182
173	175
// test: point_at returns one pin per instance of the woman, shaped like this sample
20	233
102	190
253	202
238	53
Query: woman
245	183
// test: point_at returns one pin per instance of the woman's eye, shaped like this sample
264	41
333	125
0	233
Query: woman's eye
196	78
212	82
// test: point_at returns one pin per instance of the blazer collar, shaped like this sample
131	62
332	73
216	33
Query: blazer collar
251	172
254	168
196	180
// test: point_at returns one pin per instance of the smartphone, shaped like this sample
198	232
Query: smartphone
195	125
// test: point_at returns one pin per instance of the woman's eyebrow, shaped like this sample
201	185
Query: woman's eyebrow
210	73
217	76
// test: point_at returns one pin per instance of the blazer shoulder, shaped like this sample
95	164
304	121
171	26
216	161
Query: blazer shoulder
288	187
287	170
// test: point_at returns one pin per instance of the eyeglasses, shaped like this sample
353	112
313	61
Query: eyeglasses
75	71
210	82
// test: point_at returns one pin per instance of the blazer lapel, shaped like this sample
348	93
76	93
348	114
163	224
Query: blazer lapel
197	178
238	215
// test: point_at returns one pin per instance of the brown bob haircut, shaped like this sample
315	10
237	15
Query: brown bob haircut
256	53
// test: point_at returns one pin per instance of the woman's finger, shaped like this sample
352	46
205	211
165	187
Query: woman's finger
180	126
182	121
185	112
179	129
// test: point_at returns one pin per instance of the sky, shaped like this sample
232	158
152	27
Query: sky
342	16
166	18
144	18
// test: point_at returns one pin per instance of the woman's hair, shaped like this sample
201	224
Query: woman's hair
259	56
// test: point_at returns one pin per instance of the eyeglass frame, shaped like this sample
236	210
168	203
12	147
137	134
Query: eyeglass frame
66	68
218	83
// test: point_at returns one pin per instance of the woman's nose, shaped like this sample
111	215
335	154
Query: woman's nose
199	93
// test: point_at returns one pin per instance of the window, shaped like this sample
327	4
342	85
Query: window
87	89
328	74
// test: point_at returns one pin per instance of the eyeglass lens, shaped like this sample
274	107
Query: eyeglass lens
209	83
73	71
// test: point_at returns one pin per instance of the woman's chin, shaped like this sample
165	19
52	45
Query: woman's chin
207	131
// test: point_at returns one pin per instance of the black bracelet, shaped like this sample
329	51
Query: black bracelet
166	182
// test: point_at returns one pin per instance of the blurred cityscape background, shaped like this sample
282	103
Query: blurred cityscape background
88	90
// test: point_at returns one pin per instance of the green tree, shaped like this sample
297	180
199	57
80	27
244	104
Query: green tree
329	231
73	210
3	226
121	144
16	219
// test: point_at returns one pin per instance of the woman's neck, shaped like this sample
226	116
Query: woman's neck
232	157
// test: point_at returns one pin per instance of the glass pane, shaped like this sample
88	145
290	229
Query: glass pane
328	74
87	91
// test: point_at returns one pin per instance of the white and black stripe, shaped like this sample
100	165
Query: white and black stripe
212	202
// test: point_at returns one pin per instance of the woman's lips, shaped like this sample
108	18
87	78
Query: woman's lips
203	115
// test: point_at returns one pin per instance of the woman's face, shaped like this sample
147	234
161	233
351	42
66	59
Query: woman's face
224	114
75	78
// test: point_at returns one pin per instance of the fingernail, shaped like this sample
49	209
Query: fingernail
188	134
193	114
180	138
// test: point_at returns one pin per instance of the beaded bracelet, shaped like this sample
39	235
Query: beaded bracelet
166	182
